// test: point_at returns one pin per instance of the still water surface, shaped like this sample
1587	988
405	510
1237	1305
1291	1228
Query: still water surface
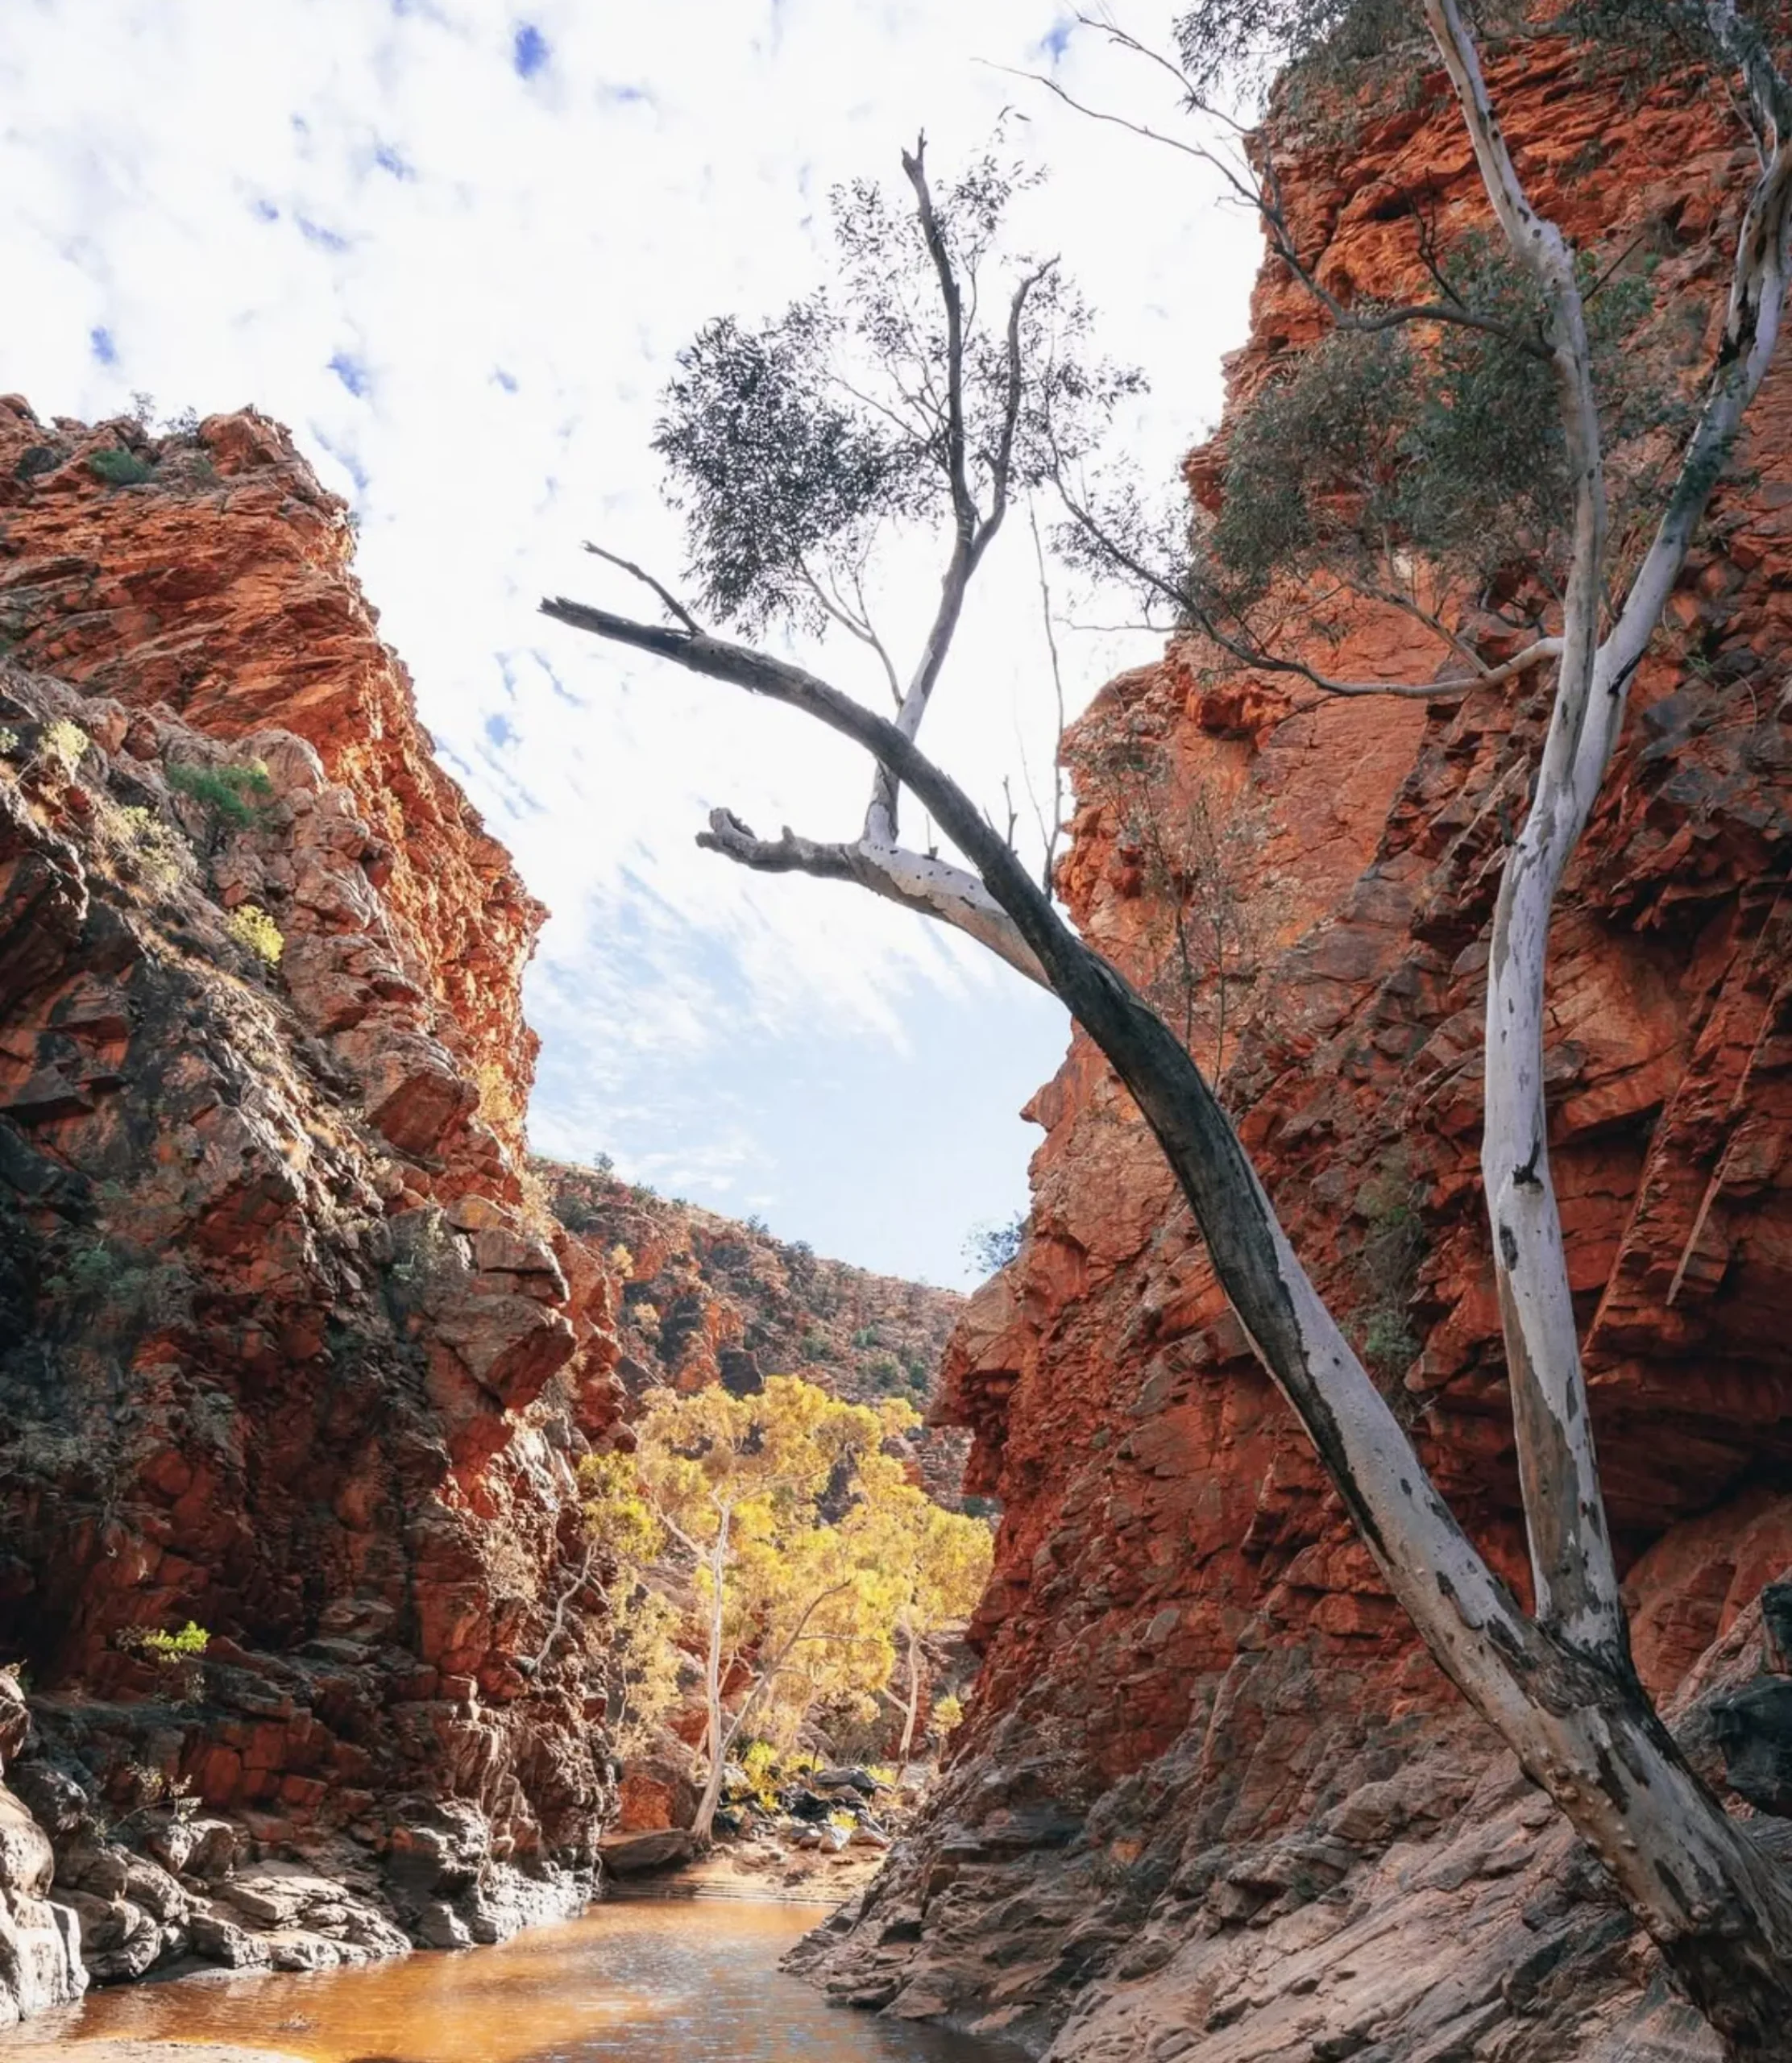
674	1981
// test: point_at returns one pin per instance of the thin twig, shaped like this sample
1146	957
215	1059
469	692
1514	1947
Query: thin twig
647	580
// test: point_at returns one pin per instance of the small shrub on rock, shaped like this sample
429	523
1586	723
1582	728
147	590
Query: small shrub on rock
119	468
228	795
254	930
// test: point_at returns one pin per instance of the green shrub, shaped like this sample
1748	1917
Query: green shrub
191	1639
885	1373
253	929
228	795
158	854
119	468
180	1655
65	743
1388	1340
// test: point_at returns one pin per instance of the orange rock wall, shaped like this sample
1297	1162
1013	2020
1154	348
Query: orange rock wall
1209	1776
286	1347
1196	1508
221	588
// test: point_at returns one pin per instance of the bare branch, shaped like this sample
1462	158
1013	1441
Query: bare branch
919	881
647	580
1049	837
856	624
1268	209
556	1624
1003	462
1248	652
768	1675
957	478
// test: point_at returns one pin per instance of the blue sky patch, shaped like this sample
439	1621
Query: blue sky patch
351	372
498	729
1056	39
388	159
344	458
313	232
506	380
528	51
264	211
99	342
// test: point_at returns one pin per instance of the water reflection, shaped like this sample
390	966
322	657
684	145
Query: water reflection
683	1981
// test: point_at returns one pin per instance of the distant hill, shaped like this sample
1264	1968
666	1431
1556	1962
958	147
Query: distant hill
712	1299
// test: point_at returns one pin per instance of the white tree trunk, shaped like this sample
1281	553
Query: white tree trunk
702	1825
913	1708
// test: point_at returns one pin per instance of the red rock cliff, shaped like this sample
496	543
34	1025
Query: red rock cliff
219	586
285	1348
1215	1804
291	1345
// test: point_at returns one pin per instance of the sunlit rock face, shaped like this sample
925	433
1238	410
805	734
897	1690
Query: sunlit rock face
705	1299
1214	1802
288	1346
219	588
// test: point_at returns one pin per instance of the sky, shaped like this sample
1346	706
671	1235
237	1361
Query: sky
456	245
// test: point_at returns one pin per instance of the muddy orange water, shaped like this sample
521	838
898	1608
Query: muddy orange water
674	1981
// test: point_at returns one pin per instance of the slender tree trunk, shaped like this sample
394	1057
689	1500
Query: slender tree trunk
703	1826
914	1707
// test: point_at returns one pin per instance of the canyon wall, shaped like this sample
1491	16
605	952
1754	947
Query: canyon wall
288	1352
1214	1802
294	1348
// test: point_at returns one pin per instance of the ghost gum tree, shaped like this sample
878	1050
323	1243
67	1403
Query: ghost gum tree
800	1553
926	394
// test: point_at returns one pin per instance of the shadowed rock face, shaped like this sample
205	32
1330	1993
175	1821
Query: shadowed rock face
287	1347
291	1346
1213	1803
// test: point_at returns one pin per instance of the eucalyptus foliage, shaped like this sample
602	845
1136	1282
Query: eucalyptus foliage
1383	442
1234	51
794	445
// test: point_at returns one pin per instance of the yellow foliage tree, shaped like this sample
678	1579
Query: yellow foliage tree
802	1542
937	1563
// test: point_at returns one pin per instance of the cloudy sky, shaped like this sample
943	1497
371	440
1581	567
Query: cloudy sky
455	245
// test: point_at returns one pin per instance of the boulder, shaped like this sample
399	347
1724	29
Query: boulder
636	1855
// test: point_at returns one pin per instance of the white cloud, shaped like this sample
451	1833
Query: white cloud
462	287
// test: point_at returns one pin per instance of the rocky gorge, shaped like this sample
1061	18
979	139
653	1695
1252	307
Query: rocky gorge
294	1350
298	1345
1215	1804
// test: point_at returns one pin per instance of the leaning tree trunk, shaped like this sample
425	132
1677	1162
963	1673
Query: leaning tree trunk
1558	1687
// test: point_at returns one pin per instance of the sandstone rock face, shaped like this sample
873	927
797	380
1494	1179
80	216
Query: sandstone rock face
40	1944
291	1346
287	1348
1211	1802
219	587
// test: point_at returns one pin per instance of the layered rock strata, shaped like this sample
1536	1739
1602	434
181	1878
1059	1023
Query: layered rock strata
293	1349
1213	1802
289	1348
